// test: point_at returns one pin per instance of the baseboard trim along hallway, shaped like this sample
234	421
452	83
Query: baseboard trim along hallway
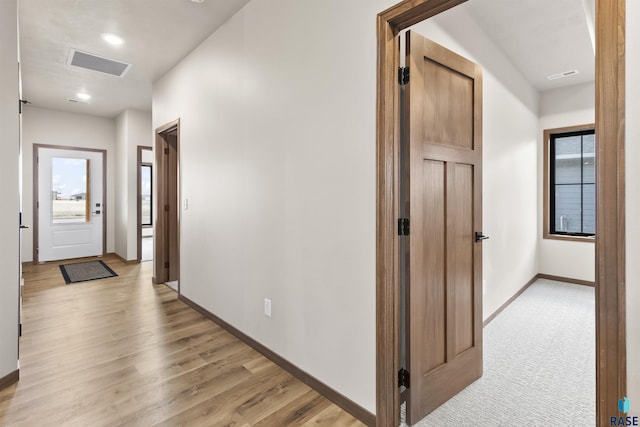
529	283
9	379
510	300
119	351
566	280
342	401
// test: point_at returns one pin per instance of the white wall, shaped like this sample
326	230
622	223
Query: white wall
121	178
632	178
9	278
569	106
133	128
278	163
510	121
44	126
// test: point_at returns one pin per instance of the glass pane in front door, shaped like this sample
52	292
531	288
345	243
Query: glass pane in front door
69	178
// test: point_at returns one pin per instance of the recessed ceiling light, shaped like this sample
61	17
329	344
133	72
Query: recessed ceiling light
198	1
562	75
112	39
83	96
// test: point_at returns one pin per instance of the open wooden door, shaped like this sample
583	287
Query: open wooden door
443	179
166	258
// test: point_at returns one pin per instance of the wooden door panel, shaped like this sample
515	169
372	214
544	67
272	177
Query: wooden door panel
461	286
444	300
448	99
431	322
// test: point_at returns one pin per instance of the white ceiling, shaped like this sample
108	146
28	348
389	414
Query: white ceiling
541	37
157	34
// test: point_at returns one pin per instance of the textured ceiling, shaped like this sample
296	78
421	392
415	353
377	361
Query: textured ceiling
541	37
157	34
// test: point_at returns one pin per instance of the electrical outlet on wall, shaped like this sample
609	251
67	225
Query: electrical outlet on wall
267	307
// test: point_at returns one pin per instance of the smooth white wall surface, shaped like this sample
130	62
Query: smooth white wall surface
121	178
632	183
9	279
133	128
278	163
510	122
44	126
569	106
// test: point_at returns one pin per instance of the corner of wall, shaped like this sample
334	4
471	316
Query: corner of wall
9	190
563	107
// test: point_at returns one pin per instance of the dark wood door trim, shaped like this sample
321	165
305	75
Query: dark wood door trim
389	23
610	262
161	237
611	352
36	176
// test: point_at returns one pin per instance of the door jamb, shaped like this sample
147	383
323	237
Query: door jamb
141	148
36	176
160	241
610	243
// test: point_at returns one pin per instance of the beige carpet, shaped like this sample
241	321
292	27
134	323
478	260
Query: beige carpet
539	364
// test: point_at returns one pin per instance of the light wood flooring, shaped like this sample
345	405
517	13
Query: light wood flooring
122	351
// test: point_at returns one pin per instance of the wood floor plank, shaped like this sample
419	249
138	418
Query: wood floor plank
297	412
121	351
333	416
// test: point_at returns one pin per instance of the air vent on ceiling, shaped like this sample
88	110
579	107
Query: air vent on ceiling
562	75
98	63
77	101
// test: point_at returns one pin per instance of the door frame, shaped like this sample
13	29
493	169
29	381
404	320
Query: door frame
611	374
161	242
139	227
36	210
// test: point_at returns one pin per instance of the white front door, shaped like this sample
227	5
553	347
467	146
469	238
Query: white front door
70	203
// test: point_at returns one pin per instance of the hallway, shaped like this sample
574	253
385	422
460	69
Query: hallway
121	351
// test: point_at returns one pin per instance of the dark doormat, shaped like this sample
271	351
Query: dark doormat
84	271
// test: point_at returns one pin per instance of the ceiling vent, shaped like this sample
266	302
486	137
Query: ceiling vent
77	101
98	63
562	75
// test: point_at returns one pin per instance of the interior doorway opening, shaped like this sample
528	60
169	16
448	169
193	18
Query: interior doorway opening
166	254
610	318
145	204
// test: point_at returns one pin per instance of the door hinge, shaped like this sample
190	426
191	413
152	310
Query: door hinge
166	264
403	378
22	102
37	205
166	151
403	75
166	208
403	226
20	330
